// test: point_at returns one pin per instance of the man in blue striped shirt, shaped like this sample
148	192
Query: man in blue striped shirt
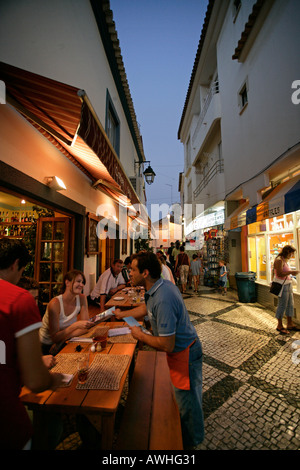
174	334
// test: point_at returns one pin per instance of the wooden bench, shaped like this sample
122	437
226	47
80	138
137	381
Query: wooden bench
151	418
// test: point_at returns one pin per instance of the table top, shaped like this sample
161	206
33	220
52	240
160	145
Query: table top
122	299
71	399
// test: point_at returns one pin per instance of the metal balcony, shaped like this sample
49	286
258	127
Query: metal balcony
218	167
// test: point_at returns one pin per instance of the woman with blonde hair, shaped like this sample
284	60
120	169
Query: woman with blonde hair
60	321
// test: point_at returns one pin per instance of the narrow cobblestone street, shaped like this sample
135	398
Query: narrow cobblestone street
250	383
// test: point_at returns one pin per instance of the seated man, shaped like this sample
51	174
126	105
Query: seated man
110	282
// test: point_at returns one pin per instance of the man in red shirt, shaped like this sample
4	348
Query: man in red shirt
20	356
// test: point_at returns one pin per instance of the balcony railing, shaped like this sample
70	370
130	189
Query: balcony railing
218	167
213	90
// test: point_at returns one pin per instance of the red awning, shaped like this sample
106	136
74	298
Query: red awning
64	115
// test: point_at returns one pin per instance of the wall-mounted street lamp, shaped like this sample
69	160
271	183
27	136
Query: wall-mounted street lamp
148	173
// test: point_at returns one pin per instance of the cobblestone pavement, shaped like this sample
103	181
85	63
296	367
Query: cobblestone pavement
251	392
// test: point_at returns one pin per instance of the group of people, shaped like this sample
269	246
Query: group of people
31	342
183	269
188	271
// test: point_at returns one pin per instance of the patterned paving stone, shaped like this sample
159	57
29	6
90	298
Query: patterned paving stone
227	344
205	306
250	317
281	372
211	375
252	420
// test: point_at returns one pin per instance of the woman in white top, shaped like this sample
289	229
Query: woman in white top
282	274
60	321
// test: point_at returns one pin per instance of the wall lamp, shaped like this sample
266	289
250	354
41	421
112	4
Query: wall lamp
148	173
54	182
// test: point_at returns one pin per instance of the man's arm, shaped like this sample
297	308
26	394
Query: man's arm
114	290
96	291
102	302
161	343
138	312
33	371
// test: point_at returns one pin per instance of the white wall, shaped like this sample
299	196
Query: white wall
270	123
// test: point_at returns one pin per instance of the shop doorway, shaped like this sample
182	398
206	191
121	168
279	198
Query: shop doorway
49	237
52	260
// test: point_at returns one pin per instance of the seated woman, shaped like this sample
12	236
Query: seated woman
60	320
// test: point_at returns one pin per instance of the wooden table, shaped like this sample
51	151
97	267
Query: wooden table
126	303
100	405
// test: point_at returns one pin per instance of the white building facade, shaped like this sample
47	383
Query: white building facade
67	111
243	139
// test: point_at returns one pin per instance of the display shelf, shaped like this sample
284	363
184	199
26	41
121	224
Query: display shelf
13	229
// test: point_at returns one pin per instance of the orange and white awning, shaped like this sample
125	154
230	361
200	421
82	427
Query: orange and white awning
283	199
64	115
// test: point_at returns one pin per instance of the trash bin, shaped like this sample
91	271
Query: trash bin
246	286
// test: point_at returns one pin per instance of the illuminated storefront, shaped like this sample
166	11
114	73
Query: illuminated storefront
266	239
266	228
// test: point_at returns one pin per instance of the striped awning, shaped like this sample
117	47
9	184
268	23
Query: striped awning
64	115
284	198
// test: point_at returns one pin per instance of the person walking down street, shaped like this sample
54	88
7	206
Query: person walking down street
60	320
170	255
166	272
183	264
173	333
176	250
22	362
195	268
223	277
283	274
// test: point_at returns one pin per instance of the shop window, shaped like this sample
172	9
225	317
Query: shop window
257	227
284	222
261	258
266	240
277	242
252	254
258	257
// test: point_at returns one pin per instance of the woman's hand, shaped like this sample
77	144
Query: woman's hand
84	324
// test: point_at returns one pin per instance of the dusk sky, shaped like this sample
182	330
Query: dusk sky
159	40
